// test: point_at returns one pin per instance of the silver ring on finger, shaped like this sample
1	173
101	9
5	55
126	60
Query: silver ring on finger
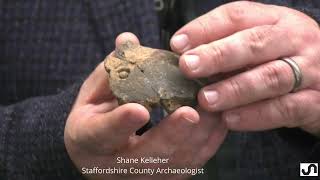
296	72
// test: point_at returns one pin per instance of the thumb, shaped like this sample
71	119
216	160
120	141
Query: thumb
96	87
114	128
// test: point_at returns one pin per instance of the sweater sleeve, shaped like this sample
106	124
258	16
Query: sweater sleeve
31	138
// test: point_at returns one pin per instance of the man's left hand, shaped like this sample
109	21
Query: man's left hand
245	41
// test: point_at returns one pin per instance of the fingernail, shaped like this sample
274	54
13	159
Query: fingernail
192	61
211	96
232	118
192	120
180	42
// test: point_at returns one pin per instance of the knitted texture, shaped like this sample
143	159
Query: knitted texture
32	138
47	46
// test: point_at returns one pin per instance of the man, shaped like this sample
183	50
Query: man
51	45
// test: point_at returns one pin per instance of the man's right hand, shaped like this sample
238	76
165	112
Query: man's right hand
98	131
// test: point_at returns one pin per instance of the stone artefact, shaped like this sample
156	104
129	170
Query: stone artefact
150	77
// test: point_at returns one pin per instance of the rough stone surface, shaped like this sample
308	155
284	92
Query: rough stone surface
150	77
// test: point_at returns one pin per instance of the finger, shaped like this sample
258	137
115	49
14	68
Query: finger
266	81
103	107
205	138
249	47
126	36
292	110
208	135
208	123
216	138
117	126
222	22
174	130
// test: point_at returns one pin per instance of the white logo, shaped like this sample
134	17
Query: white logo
309	169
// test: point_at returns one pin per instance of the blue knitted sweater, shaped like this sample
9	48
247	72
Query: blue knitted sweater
48	47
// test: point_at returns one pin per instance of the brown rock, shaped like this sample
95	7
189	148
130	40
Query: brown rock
150	77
